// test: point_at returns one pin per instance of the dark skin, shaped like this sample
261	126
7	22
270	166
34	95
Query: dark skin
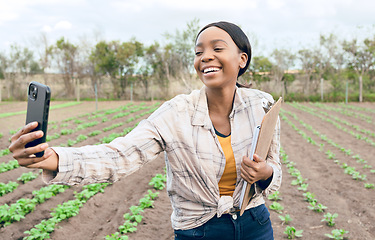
215	49
217	62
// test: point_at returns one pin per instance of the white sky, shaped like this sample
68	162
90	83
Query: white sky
291	24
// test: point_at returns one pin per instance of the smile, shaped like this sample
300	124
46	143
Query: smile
211	69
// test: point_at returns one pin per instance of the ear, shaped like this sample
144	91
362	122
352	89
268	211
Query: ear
243	59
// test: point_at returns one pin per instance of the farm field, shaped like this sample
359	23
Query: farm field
328	167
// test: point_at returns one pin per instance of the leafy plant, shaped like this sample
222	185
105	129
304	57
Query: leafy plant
128	227
317	207
337	234
309	197
116	236
275	196
135	215
292	232
12	164
276	207
285	219
158	181
26	177
330	219
7	187
303	187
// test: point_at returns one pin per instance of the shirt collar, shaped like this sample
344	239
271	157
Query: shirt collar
201	116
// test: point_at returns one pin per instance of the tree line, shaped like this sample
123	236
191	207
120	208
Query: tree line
132	63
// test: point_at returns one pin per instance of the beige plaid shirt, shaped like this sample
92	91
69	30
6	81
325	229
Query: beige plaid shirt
194	158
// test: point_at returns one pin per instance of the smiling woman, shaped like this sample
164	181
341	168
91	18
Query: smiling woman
206	136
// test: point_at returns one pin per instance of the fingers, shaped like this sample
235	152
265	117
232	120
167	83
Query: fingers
257	158
18	144
26	129
26	156
251	169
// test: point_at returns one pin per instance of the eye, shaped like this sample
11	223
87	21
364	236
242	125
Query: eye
197	53
218	49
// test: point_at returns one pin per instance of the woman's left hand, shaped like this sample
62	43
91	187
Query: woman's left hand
255	170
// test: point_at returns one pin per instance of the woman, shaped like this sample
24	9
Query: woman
207	138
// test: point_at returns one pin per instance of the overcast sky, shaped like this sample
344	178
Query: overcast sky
290	24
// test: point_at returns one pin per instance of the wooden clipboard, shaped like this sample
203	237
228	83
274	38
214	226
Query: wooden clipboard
263	144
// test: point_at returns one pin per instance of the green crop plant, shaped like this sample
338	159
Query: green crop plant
4	152
116	236
309	197
337	234
317	207
146	202
135	215
330	219
94	133
6	188
66	131
369	185
303	187
275	196
12	164
285	219
277	207
78	121
26	177
292	233
299	181
158	182
128	227
330	155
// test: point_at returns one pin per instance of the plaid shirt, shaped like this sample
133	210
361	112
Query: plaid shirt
194	158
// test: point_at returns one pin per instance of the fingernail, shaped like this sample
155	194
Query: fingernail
44	146
39	133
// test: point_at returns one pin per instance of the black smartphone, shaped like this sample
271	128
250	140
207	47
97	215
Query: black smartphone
38	99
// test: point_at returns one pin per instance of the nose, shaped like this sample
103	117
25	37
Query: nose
207	56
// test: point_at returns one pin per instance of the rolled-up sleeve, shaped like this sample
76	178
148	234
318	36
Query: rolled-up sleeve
107	162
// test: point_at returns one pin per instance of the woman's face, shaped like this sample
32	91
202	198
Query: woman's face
217	58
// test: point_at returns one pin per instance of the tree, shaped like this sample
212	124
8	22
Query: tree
105	62
45	52
307	59
260	69
283	61
19	65
361	59
332	62
65	54
128	56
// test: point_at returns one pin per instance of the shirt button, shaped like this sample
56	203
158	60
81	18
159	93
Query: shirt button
234	216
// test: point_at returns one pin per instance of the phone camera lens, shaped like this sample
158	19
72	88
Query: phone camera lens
33	92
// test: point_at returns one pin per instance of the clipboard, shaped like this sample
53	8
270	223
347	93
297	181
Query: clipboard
263	143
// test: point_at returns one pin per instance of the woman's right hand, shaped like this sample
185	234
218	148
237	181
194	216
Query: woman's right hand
26	156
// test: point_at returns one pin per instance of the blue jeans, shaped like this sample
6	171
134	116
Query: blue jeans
254	224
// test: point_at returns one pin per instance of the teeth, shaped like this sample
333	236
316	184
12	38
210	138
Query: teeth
211	69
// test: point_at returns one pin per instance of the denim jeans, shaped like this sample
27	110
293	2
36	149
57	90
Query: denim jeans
254	224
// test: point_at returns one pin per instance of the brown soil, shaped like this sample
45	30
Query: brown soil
103	213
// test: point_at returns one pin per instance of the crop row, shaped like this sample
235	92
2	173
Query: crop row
309	197
83	124
356	175
12	164
54	220
347	112
326	117
132	219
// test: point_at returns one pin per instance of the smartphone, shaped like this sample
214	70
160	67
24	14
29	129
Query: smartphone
38	100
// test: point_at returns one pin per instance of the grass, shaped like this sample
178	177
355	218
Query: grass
68	104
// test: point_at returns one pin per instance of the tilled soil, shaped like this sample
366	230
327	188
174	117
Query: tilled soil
103	213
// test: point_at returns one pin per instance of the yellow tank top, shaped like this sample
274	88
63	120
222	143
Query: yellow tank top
228	180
